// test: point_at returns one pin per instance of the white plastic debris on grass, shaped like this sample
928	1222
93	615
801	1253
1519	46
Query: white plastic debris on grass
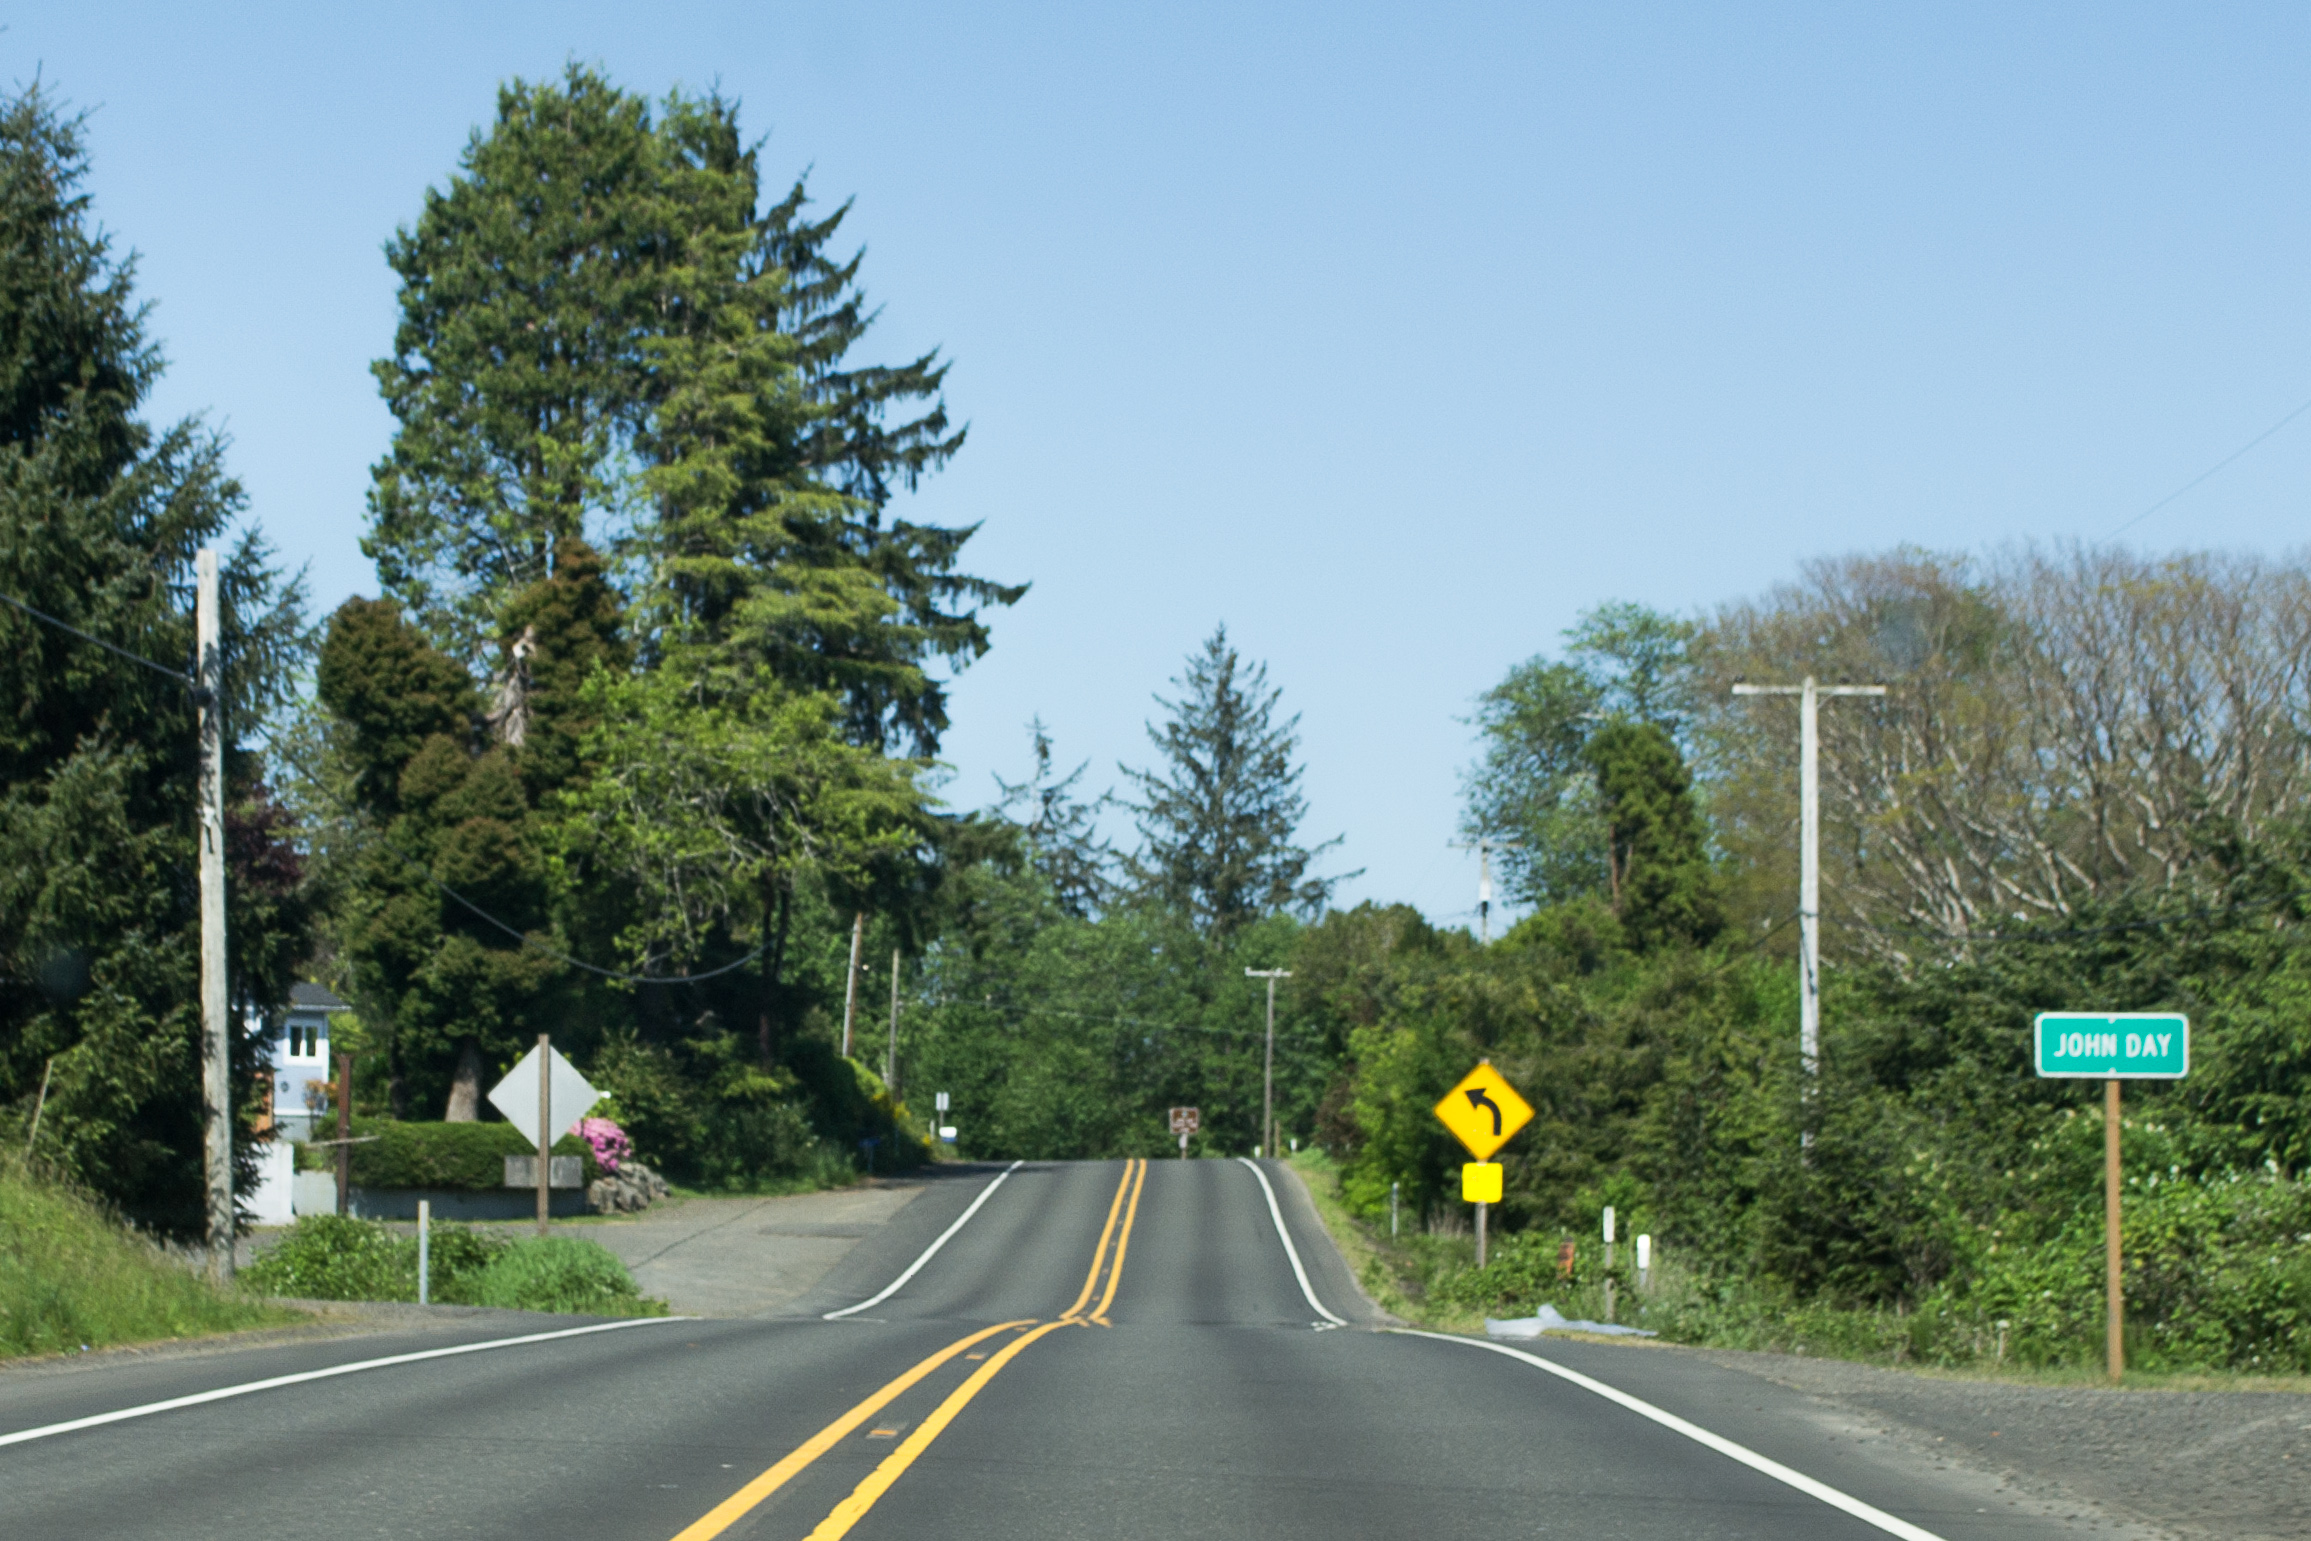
1549	1320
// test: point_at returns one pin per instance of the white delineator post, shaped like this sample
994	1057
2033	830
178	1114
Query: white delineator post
1809	878
216	1024
1268	1067
424	1250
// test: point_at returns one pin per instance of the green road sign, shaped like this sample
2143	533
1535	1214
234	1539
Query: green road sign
2113	1045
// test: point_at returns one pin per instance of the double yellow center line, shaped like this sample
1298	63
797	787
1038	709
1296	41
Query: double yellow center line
1125	1205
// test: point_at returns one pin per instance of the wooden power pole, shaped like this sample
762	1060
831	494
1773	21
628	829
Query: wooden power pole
216	1003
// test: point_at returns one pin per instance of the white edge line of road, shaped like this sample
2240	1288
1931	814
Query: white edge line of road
22	1436
1866	1513
1276	1213
930	1251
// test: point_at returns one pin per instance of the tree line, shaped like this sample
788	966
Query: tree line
636	745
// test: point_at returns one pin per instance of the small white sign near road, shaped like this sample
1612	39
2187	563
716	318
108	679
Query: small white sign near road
517	1096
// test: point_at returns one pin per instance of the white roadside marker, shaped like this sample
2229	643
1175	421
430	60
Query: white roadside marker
1276	1213
930	1251
1866	1513
223	1392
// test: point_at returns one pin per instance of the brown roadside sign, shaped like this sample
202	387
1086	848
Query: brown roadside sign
1483	1111
1187	1120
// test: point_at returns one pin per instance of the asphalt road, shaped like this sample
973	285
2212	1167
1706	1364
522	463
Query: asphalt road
1101	1349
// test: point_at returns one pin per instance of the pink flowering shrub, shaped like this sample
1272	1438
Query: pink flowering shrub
609	1141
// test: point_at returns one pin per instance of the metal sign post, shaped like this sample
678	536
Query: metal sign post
1186	1121
2112	1046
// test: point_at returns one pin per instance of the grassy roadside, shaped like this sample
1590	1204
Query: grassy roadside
1403	1275
71	1279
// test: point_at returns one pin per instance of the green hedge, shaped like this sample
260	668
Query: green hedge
465	1157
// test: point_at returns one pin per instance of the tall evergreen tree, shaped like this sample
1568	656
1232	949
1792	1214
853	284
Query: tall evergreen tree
100	516
1219	815
1062	831
1658	875
604	331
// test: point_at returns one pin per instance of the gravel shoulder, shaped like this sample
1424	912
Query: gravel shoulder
2188	1464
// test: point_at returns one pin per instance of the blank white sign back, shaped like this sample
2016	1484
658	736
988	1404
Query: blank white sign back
517	1096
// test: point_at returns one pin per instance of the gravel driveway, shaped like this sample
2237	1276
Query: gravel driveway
2231	1464
746	1257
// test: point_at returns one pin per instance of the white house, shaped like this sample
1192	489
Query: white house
296	1060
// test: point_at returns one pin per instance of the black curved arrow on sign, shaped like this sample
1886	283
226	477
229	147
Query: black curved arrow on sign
1477	1099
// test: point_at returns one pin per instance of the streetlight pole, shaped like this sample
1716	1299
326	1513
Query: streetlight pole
1809	879
1268	1070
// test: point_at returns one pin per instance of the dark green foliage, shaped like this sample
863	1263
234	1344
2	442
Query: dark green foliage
100	517
393	692
1657	869
1221	811
428	974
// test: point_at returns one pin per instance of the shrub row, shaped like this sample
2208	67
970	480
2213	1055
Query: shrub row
464	1157
327	1257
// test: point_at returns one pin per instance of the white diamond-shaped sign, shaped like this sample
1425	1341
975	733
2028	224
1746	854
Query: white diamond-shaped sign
517	1096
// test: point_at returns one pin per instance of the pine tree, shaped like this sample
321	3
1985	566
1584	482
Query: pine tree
601	333
1062	832
1218	818
100	516
437	985
1659	878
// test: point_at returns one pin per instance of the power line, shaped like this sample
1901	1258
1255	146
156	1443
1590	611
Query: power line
135	658
424	868
2210	471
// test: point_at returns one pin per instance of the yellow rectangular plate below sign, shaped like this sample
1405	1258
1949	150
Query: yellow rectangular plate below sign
1483	1111
1480	1182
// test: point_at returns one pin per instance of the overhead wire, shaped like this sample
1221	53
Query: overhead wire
135	658
2210	471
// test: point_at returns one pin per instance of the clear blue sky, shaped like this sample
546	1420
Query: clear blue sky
1394	337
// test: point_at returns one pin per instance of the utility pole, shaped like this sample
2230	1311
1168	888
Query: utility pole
891	1054
1484	883
851	984
216	1005
1809	880
1268	1071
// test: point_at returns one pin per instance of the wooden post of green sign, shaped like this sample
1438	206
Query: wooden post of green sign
2114	1308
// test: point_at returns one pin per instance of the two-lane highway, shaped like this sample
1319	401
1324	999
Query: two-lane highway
1127	1349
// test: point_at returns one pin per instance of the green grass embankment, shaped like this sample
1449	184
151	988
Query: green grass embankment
72	1279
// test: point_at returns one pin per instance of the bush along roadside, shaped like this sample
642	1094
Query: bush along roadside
2218	1278
328	1257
